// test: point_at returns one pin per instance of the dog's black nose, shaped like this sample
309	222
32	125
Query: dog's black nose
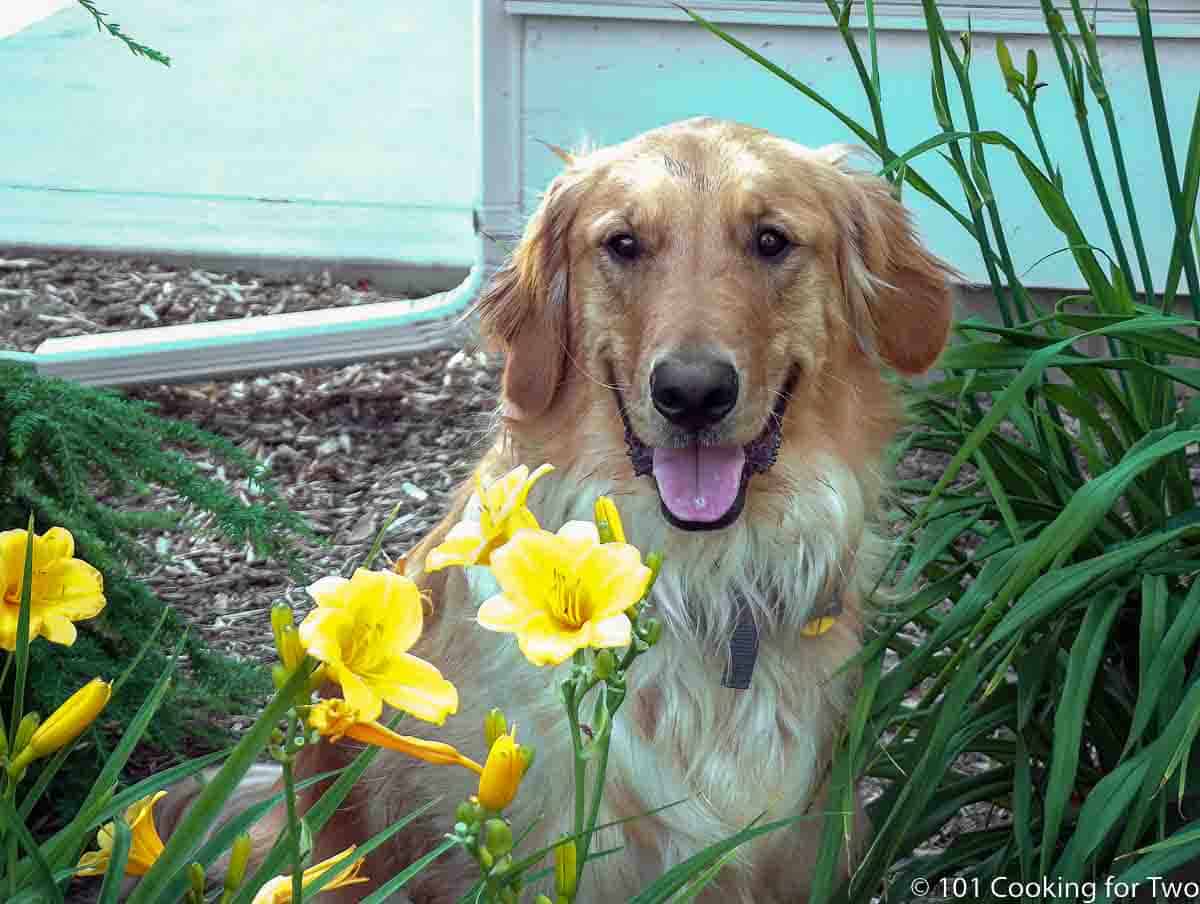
694	391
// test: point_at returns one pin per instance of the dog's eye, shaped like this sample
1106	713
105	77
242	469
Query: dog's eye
770	242
624	246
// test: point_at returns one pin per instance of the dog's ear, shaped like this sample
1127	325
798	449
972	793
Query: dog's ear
524	308
899	293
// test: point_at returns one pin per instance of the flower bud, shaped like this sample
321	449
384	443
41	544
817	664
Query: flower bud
652	631
281	619
526	753
497	836
238	859
287	638
608	521
494	725
502	773
485	858
68	721
605	664
196	883
25	731
566	862
465	814
542	899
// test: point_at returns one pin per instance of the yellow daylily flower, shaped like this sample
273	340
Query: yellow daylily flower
63	590
335	719
502	773
66	723
502	513
563	592
361	630
279	889
608	520
144	849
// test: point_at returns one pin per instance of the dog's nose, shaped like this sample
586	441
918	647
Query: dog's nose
695	391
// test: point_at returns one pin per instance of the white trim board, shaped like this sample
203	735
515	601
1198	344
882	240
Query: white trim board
1172	18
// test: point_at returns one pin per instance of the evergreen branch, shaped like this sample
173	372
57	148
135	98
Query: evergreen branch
115	30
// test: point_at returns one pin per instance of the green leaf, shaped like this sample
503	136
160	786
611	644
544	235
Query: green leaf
44	878
189	834
110	889
381	894
1086	652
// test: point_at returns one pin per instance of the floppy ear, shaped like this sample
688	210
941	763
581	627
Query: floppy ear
899	293
524	308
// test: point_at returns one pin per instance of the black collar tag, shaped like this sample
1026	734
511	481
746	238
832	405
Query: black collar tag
743	651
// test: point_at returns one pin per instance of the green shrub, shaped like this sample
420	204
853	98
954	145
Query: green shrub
61	445
1064	532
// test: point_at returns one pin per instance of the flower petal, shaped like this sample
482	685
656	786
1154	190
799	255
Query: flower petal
499	613
12	559
463	545
524	567
616	631
56	543
323	632
543	642
80	588
329	591
358	694
418	688
614	578
430	751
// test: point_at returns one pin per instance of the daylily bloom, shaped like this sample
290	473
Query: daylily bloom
144	848
279	889
608	520
66	723
63	590
564	591
335	719
361	629
502	513
503	771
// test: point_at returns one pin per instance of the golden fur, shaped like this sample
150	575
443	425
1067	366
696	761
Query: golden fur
856	291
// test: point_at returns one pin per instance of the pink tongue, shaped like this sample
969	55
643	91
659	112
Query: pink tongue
699	483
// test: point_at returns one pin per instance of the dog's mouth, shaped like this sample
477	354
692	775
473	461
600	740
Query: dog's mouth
702	486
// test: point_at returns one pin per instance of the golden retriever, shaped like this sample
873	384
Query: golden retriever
696	323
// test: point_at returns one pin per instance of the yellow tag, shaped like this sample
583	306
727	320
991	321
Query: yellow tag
818	626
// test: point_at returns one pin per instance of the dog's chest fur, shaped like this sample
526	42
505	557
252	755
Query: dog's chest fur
728	755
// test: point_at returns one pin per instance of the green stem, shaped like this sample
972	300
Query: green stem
1036	129
10	842
1142	9
289	787
573	700
601	747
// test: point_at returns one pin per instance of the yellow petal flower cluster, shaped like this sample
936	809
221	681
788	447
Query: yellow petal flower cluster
63	590
279	889
502	513
565	591
361	630
144	849
335	719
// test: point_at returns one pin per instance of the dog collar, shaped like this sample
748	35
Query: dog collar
743	645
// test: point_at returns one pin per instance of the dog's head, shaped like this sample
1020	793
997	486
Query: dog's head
729	294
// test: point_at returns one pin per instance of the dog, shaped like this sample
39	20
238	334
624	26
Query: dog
697	323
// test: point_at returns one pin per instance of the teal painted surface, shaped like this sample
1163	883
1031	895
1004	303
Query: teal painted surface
644	74
359	113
